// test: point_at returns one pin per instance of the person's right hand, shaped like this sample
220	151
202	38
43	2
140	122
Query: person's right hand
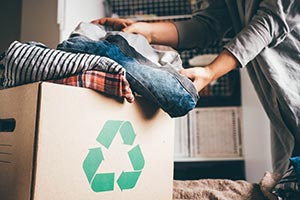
116	24
200	76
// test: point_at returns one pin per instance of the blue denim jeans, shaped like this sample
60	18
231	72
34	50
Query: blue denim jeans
159	57
174	93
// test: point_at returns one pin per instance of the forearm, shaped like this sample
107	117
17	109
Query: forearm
164	33
207	25
223	64
202	76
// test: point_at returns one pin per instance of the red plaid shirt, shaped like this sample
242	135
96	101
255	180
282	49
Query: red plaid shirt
104	82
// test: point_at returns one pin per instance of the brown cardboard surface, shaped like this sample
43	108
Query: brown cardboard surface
16	148
70	121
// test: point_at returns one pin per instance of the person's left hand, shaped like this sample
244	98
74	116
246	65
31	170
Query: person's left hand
201	76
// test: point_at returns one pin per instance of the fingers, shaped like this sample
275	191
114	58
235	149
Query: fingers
198	75
125	24
128	29
106	21
189	73
115	23
101	21
131	28
141	28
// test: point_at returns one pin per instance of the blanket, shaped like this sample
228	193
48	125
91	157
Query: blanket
216	189
223	189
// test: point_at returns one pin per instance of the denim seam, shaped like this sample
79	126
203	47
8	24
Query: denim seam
186	87
145	88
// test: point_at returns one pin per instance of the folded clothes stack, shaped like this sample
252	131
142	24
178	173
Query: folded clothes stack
114	63
32	62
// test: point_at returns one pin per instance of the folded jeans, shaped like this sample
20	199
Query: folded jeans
174	93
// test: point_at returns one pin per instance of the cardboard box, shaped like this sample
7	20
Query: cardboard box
74	143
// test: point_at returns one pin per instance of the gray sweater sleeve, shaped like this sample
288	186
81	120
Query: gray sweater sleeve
208	24
269	26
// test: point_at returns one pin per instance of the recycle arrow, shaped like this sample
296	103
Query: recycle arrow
101	182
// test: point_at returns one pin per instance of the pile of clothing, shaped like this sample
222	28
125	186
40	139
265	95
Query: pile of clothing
112	62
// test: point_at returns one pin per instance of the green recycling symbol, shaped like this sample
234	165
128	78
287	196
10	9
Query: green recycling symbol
102	182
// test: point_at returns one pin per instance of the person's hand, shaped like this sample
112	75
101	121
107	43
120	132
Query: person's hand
142	28
127	26
116	24
201	76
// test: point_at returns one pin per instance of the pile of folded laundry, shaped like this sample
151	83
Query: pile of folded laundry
111	62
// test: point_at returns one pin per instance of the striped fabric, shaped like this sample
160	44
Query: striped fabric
111	84
288	187
26	63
